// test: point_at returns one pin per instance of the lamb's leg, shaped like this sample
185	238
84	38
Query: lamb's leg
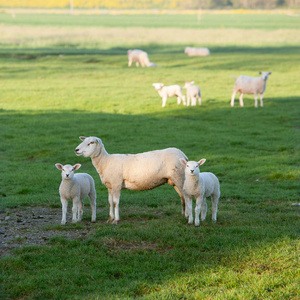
188	101
137	63
241	100
203	209
178	100
214	200
197	210
183	99
116	200
189	209
80	210
232	98
64	211
75	209
92	197
129	62
200	100
261	100
164	101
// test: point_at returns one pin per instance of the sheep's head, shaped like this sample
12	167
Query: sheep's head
187	49
90	146
188	84
158	86
67	171
265	75
192	167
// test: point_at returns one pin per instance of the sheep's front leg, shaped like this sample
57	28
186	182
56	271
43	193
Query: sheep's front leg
129	63
241	100
188	101
261	100
199	201
232	98
75	209
111	207
189	209
164	101
116	200
255	99
203	209
178	100
137	64
194	101
64	211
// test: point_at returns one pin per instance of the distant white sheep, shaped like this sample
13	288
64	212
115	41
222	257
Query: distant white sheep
192	51
75	187
199	186
169	91
139	172
192	93
139	57
250	85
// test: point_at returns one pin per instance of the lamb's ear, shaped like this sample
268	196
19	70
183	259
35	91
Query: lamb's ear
59	166
201	161
183	161
270	73
259	72
192	82
76	167
82	138
98	140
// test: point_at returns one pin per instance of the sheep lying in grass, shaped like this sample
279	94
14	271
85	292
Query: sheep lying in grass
142	171
250	85
192	93
75	187
199	186
139	57
169	91
192	51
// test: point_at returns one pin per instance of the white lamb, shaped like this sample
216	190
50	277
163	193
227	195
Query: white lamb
142	171
169	91
192	93
250	85
192	51
139	57
75	187
199	186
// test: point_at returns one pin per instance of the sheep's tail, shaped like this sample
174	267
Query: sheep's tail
232	76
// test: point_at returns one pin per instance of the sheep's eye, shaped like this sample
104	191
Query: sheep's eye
187	166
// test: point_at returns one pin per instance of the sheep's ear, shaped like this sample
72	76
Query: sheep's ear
201	161
82	138
76	167
59	166
98	140
259	72
192	82
270	73
183	161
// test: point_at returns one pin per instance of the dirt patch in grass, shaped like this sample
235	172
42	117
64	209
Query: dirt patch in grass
36	225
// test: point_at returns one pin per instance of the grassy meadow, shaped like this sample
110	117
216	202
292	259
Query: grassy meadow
66	76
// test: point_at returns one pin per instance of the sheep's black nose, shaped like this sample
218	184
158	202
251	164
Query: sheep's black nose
76	150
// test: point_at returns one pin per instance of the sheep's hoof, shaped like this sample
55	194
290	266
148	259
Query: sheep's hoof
197	224
115	222
63	223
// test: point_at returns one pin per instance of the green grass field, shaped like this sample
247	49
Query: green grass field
67	76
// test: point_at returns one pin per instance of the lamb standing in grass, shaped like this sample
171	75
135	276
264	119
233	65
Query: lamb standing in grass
75	187
169	91
192	93
139	57
139	172
199	186
192	51
250	85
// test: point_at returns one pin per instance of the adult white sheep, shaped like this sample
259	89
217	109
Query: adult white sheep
76	187
169	91
192	51
199	186
250	85
192	93
142	171
139	57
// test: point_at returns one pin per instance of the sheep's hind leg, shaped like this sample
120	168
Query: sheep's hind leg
116	200
232	98
261	100
92	197
255	99
203	209
80	210
111	207
75	209
182	200
241	100
214	200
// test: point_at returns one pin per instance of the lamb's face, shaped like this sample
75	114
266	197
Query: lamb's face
88	147
67	172
158	86
188	84
265	75
192	168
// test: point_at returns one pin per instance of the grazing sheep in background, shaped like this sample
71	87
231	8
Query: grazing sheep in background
139	172
139	57
199	186
169	91
250	85
192	93
191	51
75	187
